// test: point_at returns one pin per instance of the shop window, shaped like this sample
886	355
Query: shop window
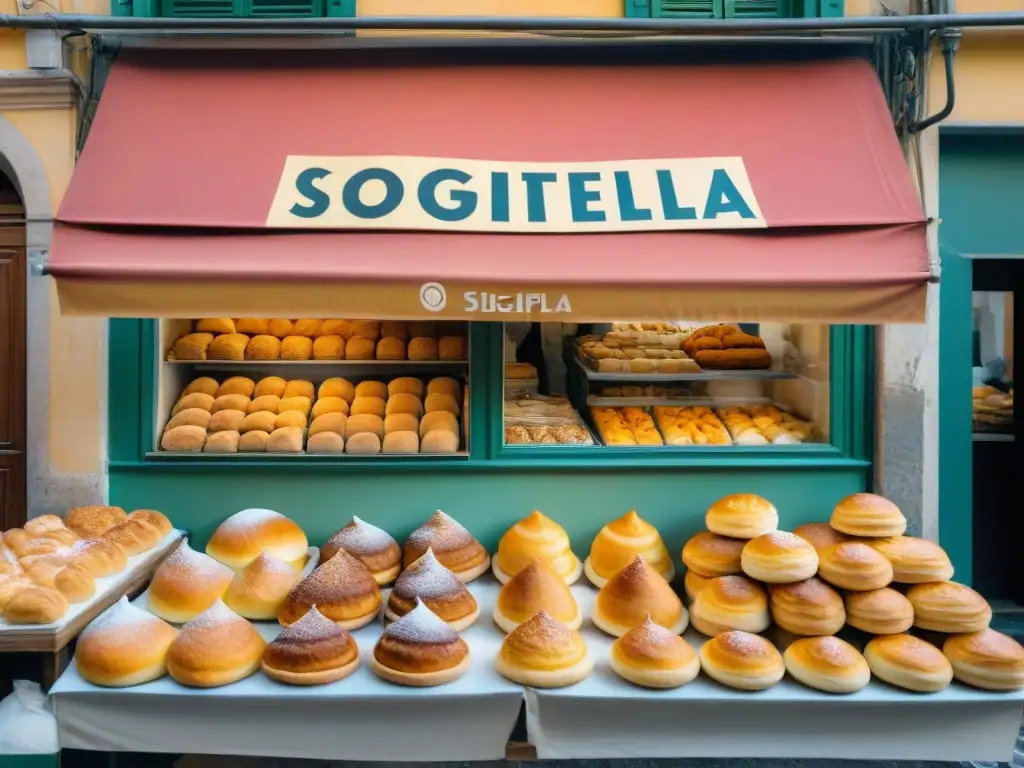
992	365
667	385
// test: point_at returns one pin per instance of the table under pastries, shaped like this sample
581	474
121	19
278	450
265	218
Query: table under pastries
365	718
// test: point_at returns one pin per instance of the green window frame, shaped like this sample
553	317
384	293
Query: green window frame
734	9
134	359
237	9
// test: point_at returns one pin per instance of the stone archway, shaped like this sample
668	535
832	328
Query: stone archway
21	164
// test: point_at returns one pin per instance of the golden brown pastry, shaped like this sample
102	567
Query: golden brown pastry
914	561
437	420
186	584
390	348
195	400
329	405
407	385
224	421
439	441
336	326
366	329
419	650
268	403
10	585
742	660
215	325
254	441
855	566
236	385
879	611
337	387
308	327
401	422
260	421
44	525
366	422
364	442
451	348
157	519
329	422
693	583
258	591
820	535
534	589
444	385
185	439
290	419
93	522
230	403
193	346
634	593
865	514
454	547
100	557
403	402
439	589
228	346
908	662
134	536
400	442
946	606
437	401
742	516
298	388
709	555
342	589
808	607
368	405
422	348
204	385
730	602
988	660
280	327
299	403
252	326
216	648
653	657
827	664
312	651
358	348
35	605
124	646
325	443
189	417
779	558
618	542
263	347
75	582
533	537
544	653
222	442
247	534
372	389
372	546
296	348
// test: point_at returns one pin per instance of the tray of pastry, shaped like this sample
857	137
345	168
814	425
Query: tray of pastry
695	375
541	420
628	426
760	424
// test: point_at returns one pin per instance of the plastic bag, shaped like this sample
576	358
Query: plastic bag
27	724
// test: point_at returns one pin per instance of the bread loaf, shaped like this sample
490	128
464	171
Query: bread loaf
228	346
254	441
290	419
325	442
215	325
401	442
308	327
230	403
203	384
363	423
271	385
329	405
280	327
359	348
263	347
328	422
252	326
338	387
400	422
285	440
195	417
195	400
404	403
188	439
391	348
236	385
329	348
298	388
296	348
258	421
222	442
226	421
270	403
363	442
194	346
422	348
439	441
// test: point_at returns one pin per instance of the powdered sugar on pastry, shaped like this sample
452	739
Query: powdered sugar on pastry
421	625
428	579
188	567
312	626
361	538
440	532
121	614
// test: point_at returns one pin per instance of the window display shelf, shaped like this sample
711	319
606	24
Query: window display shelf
704	375
992	437
397	365
680	402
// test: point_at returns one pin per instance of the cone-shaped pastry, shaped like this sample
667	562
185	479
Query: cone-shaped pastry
371	545
536	536
186	584
619	542
245	535
454	547
258	591
420	650
342	589
988	659
216	648
653	657
544	653
312	651
536	588
438	588
634	593
125	646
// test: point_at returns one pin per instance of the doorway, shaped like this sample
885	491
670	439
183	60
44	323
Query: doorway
13	351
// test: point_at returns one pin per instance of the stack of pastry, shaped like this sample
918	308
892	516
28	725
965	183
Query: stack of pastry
630	350
370	545
543	420
619	542
625	426
690	425
727	347
246	535
992	409
536	537
439	589
764	425
452	545
342	589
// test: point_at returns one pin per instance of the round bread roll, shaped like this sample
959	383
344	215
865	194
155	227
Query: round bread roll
709	555
134	536
228	346
75	582
325	443
216	648
195	400
295	403
100	557
401	442
437	401
271	385
742	516
44	525
308	327
337	387
439	441
779	558
290	419
215	325
366	329
337	327
193	346
260	420
988	660
296	348
444	385
285	440
865	514
329	405
190	417
438	420
328	422
422	348
364	423
406	385
820	535
280	327
312	651
268	403
742	660
35	605
124	646
808	607
358	348
254	441
247	534
914	561
183	439
236	385
401	422
396	328
203	384
368	405
693	583
404	403
653	657
391	348
946	606
226	421
41	571
908	662
252	326
855	566
372	389
298	388
222	442
730	602
827	664
231	403
91	522
257	592
422	329
879	611
451	348
363	442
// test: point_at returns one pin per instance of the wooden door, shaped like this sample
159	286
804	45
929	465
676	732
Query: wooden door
13	475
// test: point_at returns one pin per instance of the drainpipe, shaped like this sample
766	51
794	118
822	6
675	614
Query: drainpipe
949	41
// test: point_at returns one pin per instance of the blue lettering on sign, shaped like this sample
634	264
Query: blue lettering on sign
535	208
669	204
499	196
580	197
319	200
464	199
627	203
723	197
394	192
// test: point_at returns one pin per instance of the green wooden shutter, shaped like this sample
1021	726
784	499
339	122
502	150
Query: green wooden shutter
757	9
687	9
255	8
202	8
284	8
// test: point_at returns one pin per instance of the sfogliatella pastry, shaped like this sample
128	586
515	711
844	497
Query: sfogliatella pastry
741	516
730	602
710	555
92	522
879	611
536	536
988	659
868	515
914	561
312	651
653	657
946	606
216	648
742	660
908	662
419	650
372	546
247	534
342	589
454	547
633	594
820	535
186	584
855	566
827	664
693	583
124	646
808	607
779	558
534	589
259	589
618	542
544	653
438	588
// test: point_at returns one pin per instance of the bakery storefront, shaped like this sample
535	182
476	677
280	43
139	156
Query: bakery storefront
359	294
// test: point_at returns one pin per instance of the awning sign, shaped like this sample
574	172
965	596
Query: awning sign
425	194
